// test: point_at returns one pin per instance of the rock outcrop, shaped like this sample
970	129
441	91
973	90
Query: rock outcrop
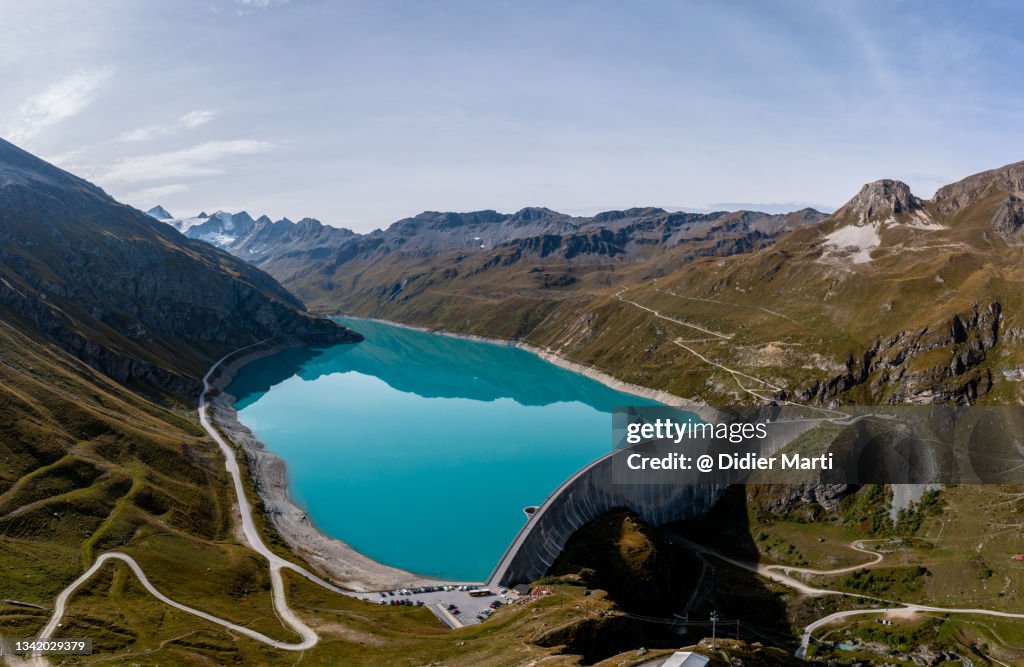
1009	217
938	364
880	200
955	197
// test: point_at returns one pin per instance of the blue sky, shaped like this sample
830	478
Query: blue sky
361	113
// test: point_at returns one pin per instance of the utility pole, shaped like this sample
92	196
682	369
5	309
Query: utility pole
714	627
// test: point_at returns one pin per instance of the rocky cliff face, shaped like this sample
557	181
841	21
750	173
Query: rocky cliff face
807	500
999	191
124	293
880	200
1008	220
939	364
956	197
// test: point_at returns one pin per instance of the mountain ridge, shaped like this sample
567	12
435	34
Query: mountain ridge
311	257
124	292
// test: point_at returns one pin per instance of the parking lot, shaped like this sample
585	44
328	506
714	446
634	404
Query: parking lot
452	604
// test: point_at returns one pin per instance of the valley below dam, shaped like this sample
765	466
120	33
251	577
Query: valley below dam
421	450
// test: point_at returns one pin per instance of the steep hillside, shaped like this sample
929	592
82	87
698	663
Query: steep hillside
96	300
124	293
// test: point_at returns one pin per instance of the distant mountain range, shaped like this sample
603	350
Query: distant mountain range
318	261
610	233
892	298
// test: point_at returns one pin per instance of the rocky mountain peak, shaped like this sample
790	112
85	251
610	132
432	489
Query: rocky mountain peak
160	213
610	216
243	218
531	213
879	200
957	196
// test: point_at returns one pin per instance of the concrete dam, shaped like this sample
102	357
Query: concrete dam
599	488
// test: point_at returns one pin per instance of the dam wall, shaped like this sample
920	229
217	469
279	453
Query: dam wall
583	498
597	489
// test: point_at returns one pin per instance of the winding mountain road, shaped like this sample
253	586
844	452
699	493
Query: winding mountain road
251	536
309	638
674	320
249	530
780	574
876	558
722	337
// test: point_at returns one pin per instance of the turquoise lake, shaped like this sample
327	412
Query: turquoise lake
421	450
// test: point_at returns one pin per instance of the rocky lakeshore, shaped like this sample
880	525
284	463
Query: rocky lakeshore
329	557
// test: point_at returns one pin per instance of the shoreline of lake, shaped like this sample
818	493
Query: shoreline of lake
330	556
699	408
326	555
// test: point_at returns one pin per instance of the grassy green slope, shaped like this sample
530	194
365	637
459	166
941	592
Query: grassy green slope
89	467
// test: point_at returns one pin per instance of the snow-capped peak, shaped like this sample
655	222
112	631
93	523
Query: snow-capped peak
160	213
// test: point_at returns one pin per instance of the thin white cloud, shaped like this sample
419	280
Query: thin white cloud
152	196
62	100
140	134
189	121
196	118
244	7
200	160
260	4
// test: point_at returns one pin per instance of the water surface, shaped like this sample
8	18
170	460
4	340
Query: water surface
421	450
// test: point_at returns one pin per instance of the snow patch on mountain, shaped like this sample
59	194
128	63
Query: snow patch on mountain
855	241
921	220
222	228
183	225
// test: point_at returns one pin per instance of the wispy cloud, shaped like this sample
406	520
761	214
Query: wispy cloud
154	195
62	100
259	4
200	160
196	118
189	121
